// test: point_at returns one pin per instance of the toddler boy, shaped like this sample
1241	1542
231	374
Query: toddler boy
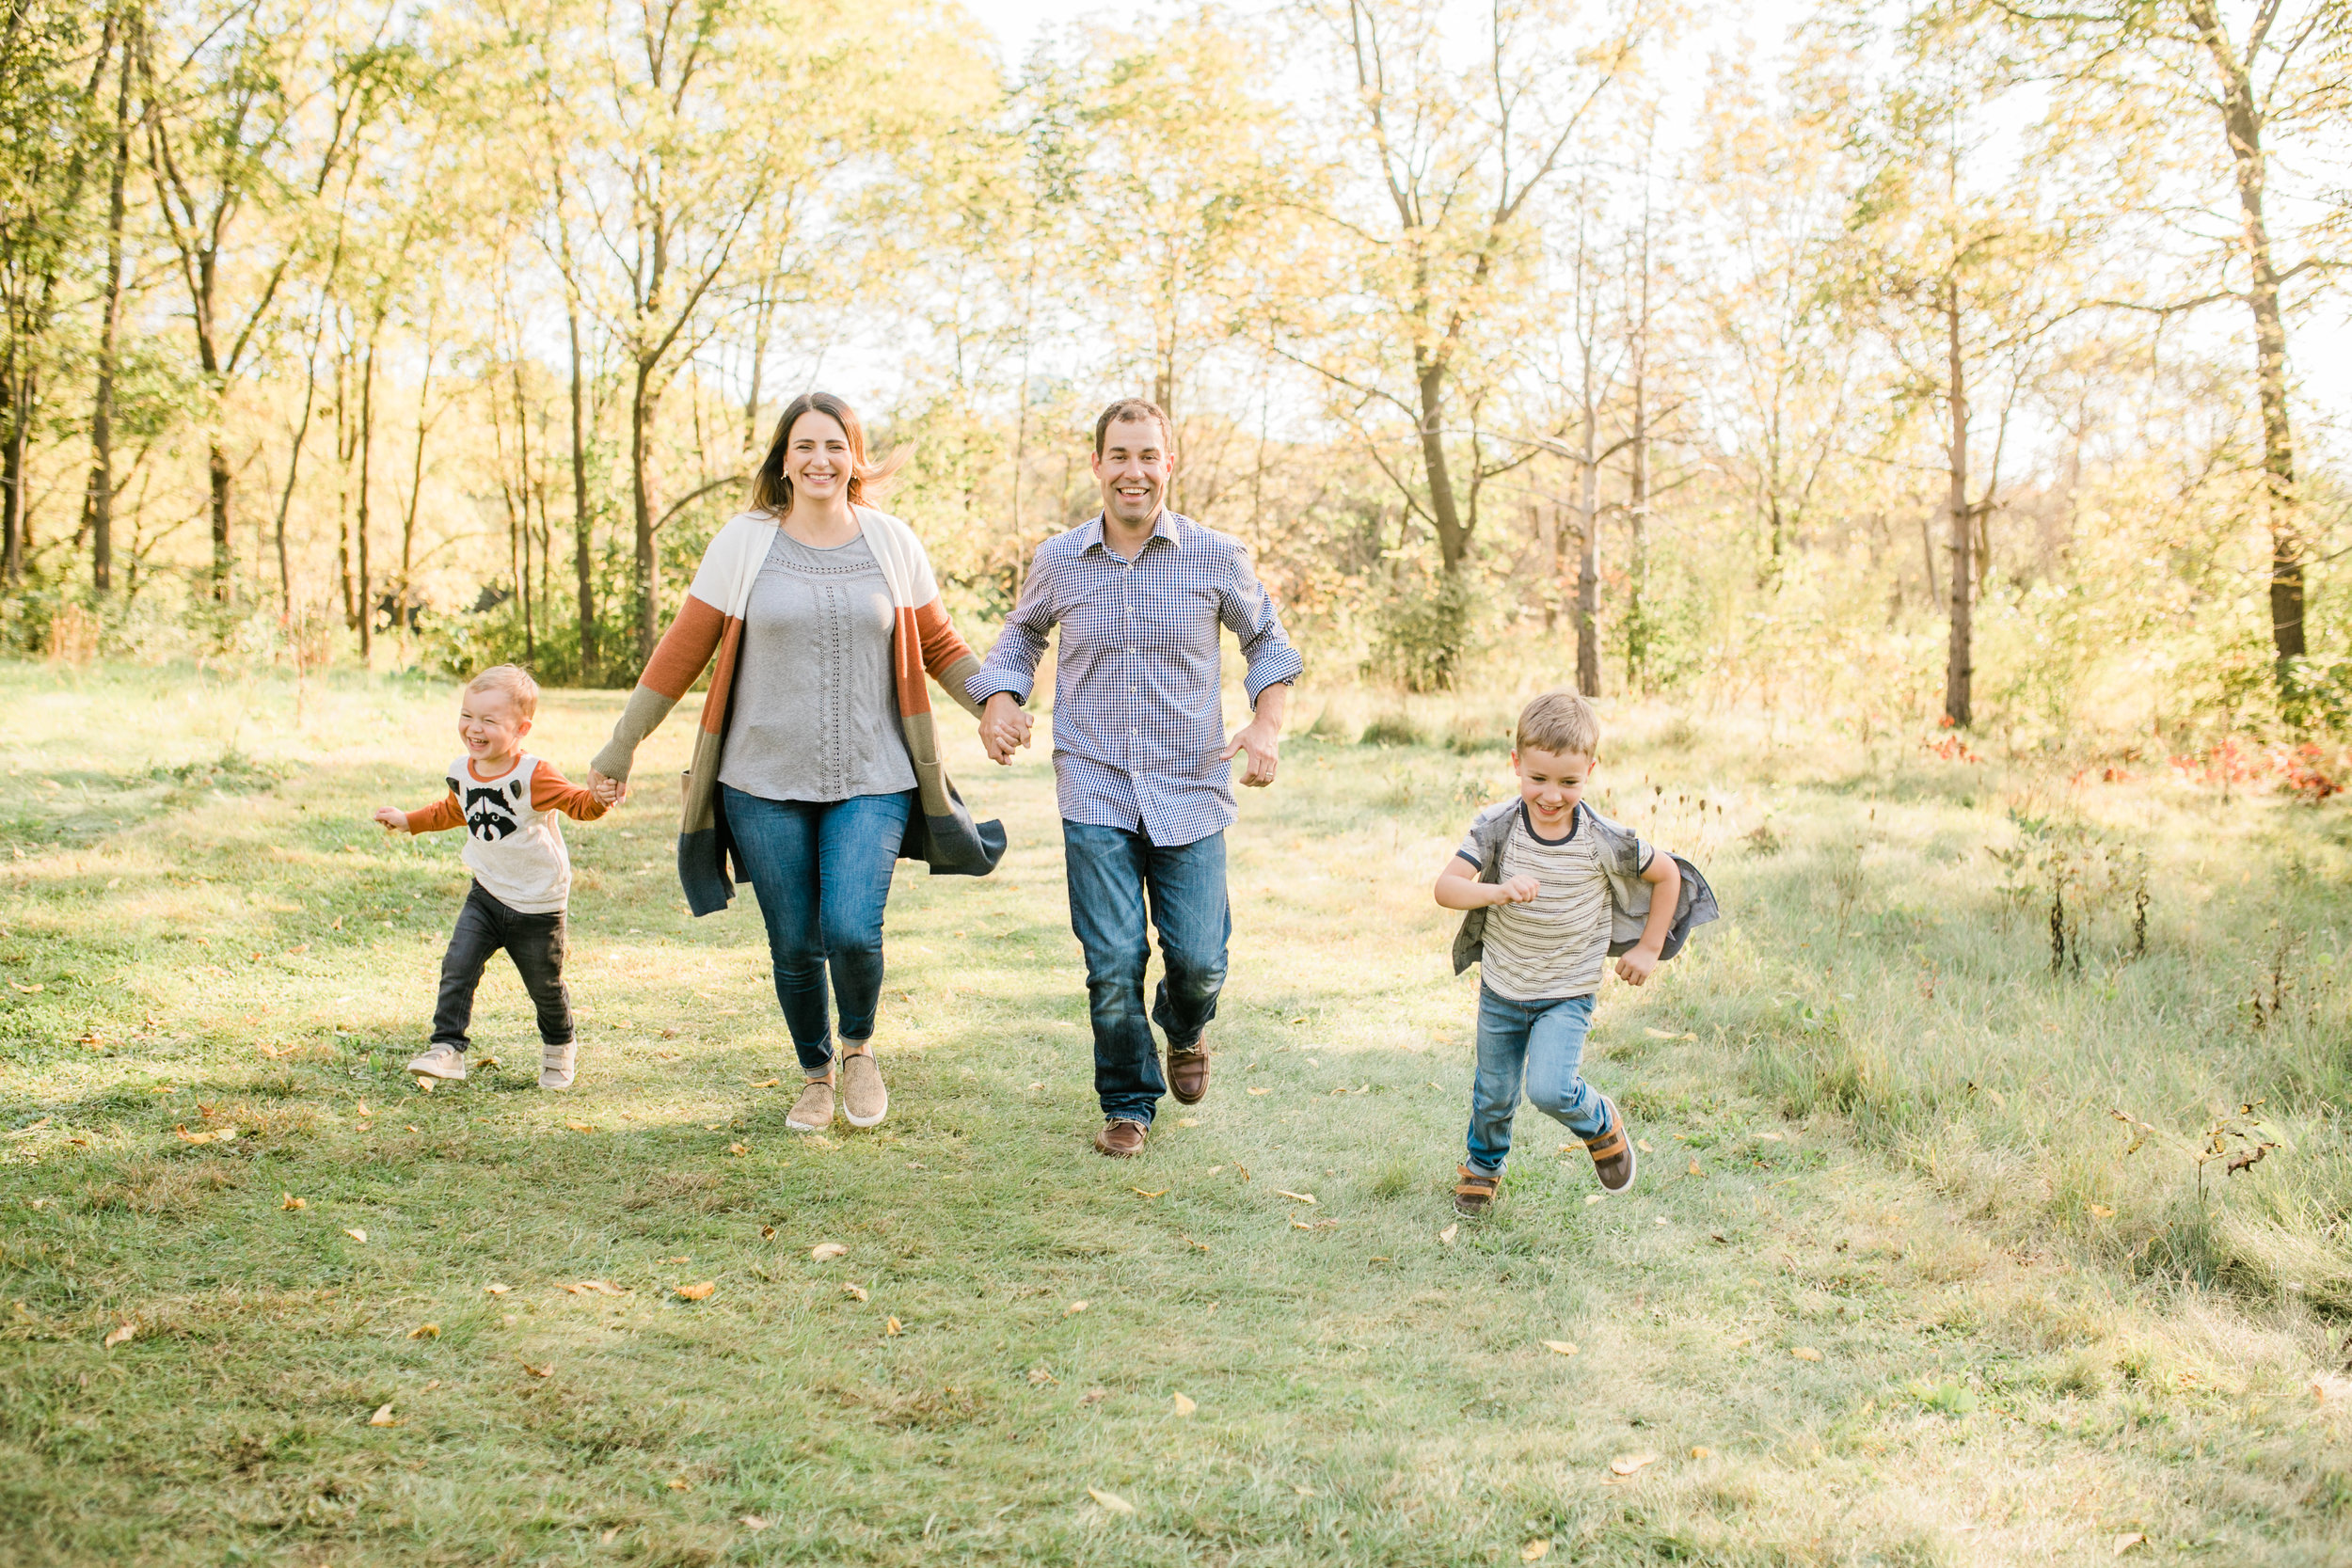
507	804
1553	891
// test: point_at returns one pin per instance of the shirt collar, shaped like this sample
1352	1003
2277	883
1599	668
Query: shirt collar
1161	528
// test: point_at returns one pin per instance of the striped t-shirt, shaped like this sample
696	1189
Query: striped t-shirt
1556	946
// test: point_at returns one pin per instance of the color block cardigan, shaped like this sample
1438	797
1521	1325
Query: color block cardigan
940	832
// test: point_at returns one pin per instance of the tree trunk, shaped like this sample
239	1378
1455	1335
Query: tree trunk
293	466
522	448
12	401
1453	539
1959	666
367	454
416	493
2242	119
582	518
223	509
101	479
641	403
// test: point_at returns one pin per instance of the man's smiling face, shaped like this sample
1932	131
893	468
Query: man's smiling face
1134	468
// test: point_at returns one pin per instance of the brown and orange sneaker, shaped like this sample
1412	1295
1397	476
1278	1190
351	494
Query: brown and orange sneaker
1475	1194
1189	1071
1612	1152
1121	1138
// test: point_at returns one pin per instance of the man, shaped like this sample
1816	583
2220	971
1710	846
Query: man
1140	758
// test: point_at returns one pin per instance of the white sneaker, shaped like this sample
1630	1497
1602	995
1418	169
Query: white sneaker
441	1062
555	1065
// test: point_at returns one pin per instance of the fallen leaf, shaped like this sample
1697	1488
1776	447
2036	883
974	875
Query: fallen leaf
2125	1543
1591	1198
1040	1377
1140	1192
825	1252
1094	1396
581	1126
496	1289
121	1336
768	1083
361	1109
424	1084
1742	1343
736	1148
1695	1170
1805	1353
856	1293
28	989
1037	1086
1111	1500
426	1331
383	1417
891	1329
1196	1246
1448	1233
595	1288
679	1483
354	1233
1643	1144
1535	1551
1770	1137
1660	1034
1260	1091
1301	1490
1295	1198
432	1385
1702	1453
1627	1464
291	1202
1184	1406
1075	1308
1188	1121
548	1370
700	1291
767	1232
2099	1210
1559	1347
752	1522
611	1535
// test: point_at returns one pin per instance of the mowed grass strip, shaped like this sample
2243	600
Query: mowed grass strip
1857	1308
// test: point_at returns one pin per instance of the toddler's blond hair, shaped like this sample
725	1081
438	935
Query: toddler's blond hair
1559	723
514	681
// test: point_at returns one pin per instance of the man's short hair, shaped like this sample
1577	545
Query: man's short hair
1133	408
1559	723
514	681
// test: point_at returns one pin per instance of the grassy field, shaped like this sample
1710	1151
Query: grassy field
1889	1290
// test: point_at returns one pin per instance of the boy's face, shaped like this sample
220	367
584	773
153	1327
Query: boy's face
1551	782
488	724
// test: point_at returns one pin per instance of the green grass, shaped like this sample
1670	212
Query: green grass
1880	1131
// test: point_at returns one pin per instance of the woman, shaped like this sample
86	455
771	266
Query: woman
816	766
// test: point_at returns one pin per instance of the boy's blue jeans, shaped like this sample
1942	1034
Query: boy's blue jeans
1542	1045
1111	872
821	871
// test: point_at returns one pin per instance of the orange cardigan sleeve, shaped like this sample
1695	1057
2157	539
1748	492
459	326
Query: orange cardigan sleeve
942	646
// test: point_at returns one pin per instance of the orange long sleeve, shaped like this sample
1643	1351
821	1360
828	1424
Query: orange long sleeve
551	791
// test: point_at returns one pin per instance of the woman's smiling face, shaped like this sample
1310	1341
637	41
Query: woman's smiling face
817	457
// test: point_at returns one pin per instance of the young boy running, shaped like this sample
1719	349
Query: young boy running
507	804
1552	890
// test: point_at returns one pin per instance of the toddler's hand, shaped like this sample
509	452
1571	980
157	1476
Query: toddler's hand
1521	890
1636	966
611	791
395	819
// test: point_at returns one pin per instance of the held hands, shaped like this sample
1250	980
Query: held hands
1518	890
1636	966
1264	742
611	791
395	819
1004	728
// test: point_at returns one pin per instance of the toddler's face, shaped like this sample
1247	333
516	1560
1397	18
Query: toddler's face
488	724
1551	782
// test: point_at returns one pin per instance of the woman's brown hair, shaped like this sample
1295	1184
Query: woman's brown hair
772	491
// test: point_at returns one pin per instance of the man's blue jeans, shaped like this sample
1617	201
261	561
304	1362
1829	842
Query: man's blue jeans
1541	1043
821	871
1112	873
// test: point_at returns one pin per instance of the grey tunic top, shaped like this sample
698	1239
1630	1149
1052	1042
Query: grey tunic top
816	707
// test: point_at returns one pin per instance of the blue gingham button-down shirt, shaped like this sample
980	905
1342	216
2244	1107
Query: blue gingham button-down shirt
1138	722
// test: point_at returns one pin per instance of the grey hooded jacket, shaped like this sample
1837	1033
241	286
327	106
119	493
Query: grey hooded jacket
1621	864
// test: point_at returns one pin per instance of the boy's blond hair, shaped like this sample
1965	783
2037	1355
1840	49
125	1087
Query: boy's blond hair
1559	723
514	681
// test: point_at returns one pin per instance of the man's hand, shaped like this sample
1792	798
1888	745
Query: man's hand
1518	890
611	791
1004	728
1263	739
1636	966
395	819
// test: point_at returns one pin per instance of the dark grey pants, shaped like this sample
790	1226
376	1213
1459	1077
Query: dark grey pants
534	941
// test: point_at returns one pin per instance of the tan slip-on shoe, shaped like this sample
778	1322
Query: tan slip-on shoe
812	1111
1612	1152
863	1100
441	1062
556	1063
1189	1071
1121	1138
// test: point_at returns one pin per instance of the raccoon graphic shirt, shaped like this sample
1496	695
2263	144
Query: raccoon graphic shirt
514	831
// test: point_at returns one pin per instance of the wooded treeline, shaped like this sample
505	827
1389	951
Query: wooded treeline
1945	361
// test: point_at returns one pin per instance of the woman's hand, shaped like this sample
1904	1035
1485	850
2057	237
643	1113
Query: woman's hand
611	791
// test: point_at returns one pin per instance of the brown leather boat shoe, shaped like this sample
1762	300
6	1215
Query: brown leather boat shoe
1121	1138
1189	1071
